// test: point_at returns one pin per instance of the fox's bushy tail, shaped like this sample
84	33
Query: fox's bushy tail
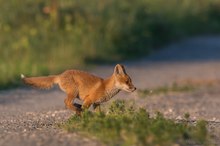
45	82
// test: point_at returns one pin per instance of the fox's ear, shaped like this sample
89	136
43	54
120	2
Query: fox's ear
119	69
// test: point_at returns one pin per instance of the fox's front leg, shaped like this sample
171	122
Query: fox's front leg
86	104
88	101
97	107
92	98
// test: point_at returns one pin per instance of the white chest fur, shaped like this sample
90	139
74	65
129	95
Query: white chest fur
108	95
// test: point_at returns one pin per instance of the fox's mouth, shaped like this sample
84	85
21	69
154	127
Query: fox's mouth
130	89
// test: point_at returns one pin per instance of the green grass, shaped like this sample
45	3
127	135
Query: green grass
174	88
35	42
125	125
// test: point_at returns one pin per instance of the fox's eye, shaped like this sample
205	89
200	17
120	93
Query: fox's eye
127	81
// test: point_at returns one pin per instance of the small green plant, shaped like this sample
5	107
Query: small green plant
187	116
125	125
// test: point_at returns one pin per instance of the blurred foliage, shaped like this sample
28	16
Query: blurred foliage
124	125
174	88
41	37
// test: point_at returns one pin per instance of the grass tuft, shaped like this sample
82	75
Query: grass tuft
124	125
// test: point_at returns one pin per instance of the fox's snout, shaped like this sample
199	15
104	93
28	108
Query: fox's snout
133	89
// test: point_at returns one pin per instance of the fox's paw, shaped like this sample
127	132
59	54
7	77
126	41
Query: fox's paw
78	106
79	111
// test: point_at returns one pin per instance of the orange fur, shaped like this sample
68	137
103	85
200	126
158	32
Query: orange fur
40	82
87	87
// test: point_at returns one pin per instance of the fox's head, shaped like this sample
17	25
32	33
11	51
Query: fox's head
122	79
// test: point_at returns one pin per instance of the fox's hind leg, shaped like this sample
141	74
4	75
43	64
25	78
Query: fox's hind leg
69	102
68	85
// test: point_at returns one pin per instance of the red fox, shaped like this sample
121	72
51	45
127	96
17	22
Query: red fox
92	90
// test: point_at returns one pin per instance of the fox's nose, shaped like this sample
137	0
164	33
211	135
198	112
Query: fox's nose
133	89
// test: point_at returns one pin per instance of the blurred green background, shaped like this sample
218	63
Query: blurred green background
40	37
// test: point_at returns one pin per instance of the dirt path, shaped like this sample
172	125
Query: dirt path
30	117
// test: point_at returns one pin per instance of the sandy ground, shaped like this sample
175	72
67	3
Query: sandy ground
30	117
